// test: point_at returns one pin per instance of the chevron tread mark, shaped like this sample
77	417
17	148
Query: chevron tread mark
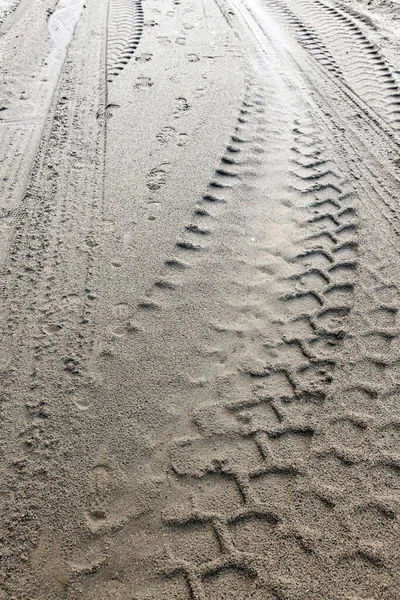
125	27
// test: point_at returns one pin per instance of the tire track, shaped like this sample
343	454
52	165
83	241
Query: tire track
47	292
27	102
280	482
242	498
359	16
325	272
264	477
267	489
7	10
253	450
125	28
369	74
13	143
309	38
356	136
196	236
359	62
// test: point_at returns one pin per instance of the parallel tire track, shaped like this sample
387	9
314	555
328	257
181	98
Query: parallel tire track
47	295
247	445
342	46
260	513
276	491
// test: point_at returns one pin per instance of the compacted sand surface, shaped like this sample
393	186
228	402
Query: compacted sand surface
200	295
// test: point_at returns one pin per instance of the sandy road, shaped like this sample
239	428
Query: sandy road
199	314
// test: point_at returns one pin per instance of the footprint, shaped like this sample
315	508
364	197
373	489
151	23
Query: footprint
108	226
5	360
183	139
99	485
70	302
107	113
193	58
157	177
180	40
145	57
82	404
122	311
177	77
51	328
163	40
147	305
91	242
181	106
200	92
166	134
109	110
143	83
119	330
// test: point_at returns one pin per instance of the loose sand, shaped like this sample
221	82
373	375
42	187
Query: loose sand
199	317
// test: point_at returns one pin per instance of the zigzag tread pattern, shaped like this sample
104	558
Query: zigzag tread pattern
309	38
272	488
295	488
264	449
339	44
125	27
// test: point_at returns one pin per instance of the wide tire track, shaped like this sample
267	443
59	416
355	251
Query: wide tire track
264	439
257	489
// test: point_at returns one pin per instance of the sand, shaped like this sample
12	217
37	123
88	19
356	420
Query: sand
199	317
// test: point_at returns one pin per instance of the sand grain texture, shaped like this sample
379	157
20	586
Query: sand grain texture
199	317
